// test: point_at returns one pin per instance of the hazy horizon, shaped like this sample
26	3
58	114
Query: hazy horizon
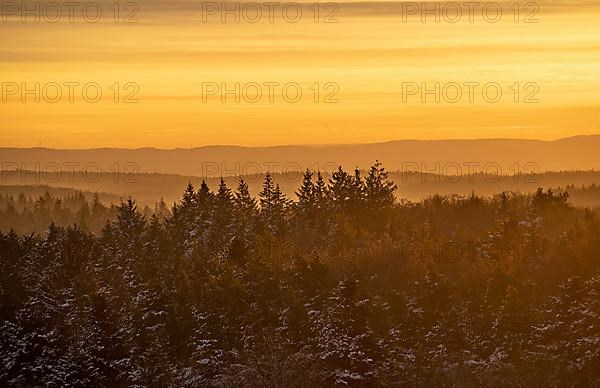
316	145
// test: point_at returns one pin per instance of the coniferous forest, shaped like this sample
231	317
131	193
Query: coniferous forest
344	285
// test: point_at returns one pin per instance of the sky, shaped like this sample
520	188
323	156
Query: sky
173	74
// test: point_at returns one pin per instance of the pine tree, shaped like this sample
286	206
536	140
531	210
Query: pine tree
266	195
129	221
321	194
358	191
345	340
323	207
342	188
279	210
306	206
203	198
273	206
357	200
222	219
379	190
205	207
246	210
189	199
224	195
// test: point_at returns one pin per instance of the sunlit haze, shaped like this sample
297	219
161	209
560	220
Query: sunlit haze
356	68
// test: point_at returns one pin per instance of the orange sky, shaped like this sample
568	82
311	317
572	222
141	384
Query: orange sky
369	54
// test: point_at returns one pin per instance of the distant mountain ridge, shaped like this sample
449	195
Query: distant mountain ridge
437	156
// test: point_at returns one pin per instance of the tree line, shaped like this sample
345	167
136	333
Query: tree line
344	286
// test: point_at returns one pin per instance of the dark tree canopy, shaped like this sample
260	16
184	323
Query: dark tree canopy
345	286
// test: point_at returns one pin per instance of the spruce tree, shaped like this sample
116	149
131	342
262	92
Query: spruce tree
266	199
189	198
222	219
321	193
203	198
246	210
341	188
305	207
379	190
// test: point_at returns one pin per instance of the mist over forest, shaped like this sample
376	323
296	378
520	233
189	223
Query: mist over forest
342	285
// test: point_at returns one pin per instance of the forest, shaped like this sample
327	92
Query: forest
344	285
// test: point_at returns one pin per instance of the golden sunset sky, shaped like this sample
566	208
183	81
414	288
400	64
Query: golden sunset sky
369	53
